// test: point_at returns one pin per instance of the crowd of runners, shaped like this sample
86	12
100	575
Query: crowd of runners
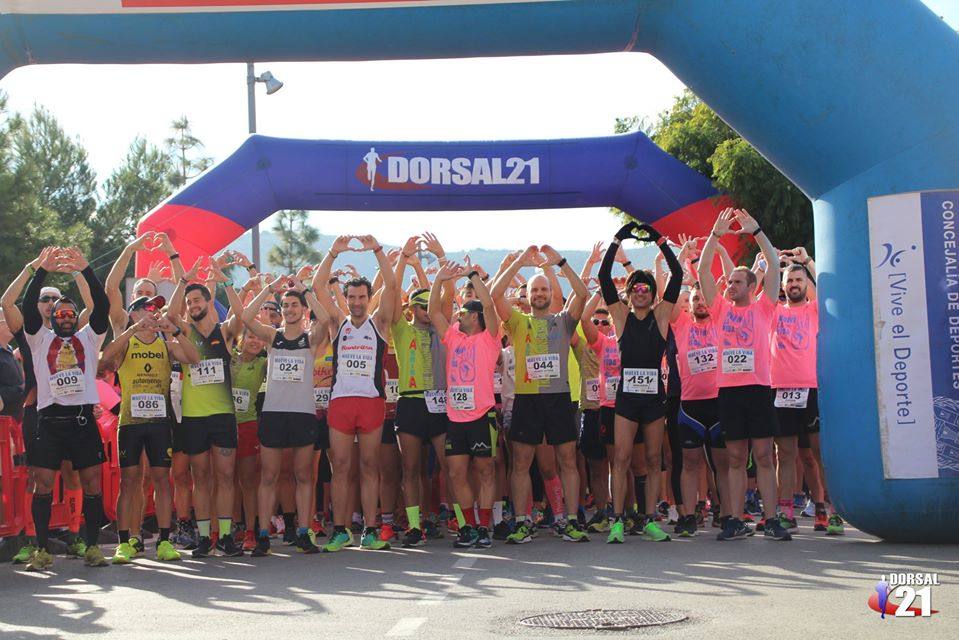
307	409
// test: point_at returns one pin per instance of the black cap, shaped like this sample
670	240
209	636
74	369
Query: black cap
474	306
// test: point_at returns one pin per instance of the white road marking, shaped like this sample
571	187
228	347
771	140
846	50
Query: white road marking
405	627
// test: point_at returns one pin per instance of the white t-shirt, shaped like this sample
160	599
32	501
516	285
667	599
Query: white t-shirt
66	368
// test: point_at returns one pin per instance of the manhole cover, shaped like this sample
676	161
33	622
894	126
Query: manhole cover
605	619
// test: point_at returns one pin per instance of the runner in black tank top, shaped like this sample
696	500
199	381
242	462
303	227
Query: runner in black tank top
640	399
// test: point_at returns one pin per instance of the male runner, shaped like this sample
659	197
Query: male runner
744	327
358	397
543	407
288	418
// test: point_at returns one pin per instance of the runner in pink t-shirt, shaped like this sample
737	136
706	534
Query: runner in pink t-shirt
472	348
743	326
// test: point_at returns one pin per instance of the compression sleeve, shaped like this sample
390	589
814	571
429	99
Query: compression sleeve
671	294
100	314
606	285
32	320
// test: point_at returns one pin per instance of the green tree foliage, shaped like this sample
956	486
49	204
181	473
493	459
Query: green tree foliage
134	188
296	240
185	149
692	132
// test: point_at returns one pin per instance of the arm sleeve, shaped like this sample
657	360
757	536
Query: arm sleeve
610	296
32	321
671	293
100	314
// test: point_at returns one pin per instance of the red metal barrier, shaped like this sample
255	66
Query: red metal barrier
13	478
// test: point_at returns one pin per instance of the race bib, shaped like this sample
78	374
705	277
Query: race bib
702	360
791	398
462	398
497	382
321	397
592	389
289	368
148	405
207	372
612	386
392	390
357	364
66	383
739	361
543	367
176	384
435	400
644	381
241	399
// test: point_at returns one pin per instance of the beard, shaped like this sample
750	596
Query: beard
199	315
65	331
796	296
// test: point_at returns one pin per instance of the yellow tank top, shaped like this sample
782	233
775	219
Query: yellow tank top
145	383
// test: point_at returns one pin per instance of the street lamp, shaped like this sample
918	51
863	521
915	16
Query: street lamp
272	86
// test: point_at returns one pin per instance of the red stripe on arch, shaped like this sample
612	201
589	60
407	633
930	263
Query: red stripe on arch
195	233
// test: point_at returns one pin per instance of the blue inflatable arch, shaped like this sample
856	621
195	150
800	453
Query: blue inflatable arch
851	100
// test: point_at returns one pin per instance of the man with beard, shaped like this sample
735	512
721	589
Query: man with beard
358	397
543	407
641	326
288	418
65	368
209	419
743	327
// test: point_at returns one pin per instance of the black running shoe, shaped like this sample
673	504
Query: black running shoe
734	529
467	537
774	530
203	548
262	548
686	527
289	537
414	538
431	530
483	541
304	544
227	546
502	530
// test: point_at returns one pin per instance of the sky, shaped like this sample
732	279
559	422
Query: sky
106	107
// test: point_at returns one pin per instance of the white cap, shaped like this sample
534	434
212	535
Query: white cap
50	291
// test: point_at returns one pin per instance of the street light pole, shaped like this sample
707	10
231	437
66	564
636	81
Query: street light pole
251	112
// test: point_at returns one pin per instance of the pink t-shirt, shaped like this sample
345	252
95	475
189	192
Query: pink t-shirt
794	346
743	334
697	358
606	349
470	363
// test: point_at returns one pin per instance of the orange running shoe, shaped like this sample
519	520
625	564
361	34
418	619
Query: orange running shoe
747	517
822	520
318	529
249	540
387	533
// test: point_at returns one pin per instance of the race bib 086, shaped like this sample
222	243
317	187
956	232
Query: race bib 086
148	405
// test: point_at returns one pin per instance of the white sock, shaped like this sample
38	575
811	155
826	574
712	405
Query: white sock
497	512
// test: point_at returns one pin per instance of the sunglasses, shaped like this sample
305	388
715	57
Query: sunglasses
48	298
605	323
642	287
65	314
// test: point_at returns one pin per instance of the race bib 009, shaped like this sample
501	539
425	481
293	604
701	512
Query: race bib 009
68	382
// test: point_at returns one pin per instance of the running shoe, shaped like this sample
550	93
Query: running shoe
467	537
77	547
203	548
262	547
822	520
289	536
40	560
372	542
482	538
573	532
227	546
387	532
317	527
414	538
636	525
752	505
502	530
453	526
186	535
809	511
24	554
718	521
94	557
124	553
305	544
249	540
734	529
700	513
537	516
615	533
774	530
787	522
799	500
687	526
673	515
663	508
653	532
431	529
356	527
590	501
137	545
521	535
748	517
598	524
166	552
835	527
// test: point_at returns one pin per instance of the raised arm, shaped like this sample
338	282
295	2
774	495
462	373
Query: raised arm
707	281
8	302
508	270
113	353
771	278
74	261
483	295
617	310
664	309
556	299
249	313
182	350
580	292
384	314
87	299
118	312
47	262
589	329
407	256
322	278
449	271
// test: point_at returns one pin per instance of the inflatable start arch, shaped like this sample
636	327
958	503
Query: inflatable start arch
852	100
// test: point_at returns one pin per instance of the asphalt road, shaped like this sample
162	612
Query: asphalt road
813	587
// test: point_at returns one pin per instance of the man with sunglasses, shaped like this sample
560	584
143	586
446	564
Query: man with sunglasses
65	368
144	353
744	326
543	407
641	325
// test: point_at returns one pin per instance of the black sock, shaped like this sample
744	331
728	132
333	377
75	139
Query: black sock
42	504
339	528
639	484
93	516
164	533
124	535
289	521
